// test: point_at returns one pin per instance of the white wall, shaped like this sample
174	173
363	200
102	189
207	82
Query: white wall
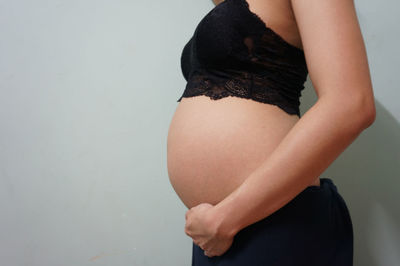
87	91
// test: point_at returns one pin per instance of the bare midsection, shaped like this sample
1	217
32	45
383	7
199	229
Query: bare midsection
213	146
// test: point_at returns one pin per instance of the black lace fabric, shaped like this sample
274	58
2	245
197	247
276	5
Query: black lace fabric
234	53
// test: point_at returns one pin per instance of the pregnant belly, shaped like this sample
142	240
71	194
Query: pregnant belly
213	146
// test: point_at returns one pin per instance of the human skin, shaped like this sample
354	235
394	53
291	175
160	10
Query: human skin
338	68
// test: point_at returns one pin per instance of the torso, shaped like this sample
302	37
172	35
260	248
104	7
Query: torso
213	145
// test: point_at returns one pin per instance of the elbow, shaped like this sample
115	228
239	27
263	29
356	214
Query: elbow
358	110
367	111
363	108
370	116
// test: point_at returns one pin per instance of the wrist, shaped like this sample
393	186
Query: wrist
224	222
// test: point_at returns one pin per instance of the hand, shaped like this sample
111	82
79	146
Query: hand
204	228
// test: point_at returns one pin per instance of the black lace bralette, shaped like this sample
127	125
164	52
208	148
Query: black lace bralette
234	53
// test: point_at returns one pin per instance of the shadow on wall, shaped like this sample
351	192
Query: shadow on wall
367	175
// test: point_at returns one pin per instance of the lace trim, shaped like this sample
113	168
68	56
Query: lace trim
213	96
239	87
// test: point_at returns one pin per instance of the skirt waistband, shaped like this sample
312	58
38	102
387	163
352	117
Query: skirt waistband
325	184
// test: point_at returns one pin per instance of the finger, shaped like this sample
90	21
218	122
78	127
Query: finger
187	230
204	247
198	244
208	254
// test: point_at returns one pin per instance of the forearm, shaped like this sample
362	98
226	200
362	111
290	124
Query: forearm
307	150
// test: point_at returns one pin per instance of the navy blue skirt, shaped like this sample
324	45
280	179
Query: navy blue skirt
313	229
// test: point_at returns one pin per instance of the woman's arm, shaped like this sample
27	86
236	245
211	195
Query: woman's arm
338	68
